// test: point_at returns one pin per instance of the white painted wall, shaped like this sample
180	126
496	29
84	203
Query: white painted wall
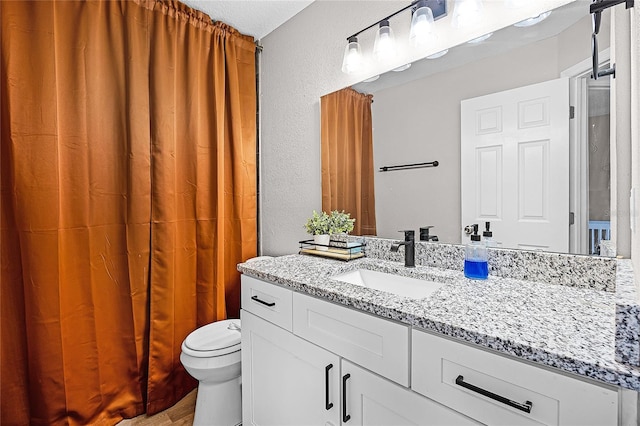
621	120
300	62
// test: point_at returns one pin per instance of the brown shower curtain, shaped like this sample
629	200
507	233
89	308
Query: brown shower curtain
128	197
347	157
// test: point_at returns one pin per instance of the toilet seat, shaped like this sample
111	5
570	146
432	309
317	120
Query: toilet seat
213	340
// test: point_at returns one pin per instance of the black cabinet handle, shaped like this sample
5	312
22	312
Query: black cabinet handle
526	407
263	302
345	416
328	404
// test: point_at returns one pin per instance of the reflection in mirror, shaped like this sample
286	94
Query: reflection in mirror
416	118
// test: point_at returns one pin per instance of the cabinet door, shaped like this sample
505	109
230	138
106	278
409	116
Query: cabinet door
286	380
371	400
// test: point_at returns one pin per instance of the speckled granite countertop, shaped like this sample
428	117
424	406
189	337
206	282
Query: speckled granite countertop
572	329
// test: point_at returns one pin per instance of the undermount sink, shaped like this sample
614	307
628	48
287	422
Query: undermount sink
391	283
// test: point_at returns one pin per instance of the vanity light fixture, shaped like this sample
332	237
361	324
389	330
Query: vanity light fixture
402	67
480	39
352	60
422	22
384	47
532	21
467	13
424	13
440	54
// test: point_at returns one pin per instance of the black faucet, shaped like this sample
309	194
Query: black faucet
409	248
424	234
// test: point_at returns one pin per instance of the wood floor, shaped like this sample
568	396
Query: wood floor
180	414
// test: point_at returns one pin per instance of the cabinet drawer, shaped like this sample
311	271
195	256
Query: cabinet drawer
267	301
372	400
497	390
374	343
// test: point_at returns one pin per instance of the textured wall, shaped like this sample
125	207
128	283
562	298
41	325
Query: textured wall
635	135
301	61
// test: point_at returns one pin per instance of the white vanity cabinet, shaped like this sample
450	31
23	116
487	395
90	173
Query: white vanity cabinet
289	379
307	361
286	380
497	390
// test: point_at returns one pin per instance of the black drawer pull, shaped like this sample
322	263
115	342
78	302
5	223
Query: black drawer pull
328	404
526	407
263	302
345	416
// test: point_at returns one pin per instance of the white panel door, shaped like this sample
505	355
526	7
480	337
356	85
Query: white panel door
515	165
286	380
371	400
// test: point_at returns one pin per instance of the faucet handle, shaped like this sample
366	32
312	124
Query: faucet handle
409	235
424	232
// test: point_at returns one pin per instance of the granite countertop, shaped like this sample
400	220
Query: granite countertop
572	329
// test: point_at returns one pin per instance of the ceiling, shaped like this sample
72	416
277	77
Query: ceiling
256	18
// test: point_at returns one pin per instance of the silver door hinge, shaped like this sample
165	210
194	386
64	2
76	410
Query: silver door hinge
572	218
572	112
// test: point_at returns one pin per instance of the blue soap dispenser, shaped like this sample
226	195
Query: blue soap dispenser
476	265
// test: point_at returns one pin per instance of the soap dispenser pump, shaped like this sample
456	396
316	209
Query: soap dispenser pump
487	235
476	265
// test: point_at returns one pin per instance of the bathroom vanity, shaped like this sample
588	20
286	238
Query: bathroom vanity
317	350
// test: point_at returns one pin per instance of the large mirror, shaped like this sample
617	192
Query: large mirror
416	116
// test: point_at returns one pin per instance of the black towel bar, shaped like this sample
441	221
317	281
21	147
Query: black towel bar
409	166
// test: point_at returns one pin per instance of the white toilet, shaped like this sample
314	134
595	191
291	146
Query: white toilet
211	354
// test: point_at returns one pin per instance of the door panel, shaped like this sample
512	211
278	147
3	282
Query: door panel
515	165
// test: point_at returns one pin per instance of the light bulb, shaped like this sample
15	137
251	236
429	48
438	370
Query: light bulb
438	54
532	21
480	39
466	13
402	67
421	32
352	59
384	47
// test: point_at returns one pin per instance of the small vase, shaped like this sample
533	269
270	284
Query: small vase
322	239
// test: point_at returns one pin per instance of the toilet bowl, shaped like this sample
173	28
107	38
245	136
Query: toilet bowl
211	354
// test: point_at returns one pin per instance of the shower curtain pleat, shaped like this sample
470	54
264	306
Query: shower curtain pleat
120	224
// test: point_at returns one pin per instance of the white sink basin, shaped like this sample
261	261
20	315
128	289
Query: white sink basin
391	283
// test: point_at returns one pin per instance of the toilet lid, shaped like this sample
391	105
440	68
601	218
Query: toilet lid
215	336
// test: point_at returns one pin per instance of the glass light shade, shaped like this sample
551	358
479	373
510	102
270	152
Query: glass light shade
532	21
438	54
371	79
480	39
352	59
402	67
467	13
384	47
421	32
